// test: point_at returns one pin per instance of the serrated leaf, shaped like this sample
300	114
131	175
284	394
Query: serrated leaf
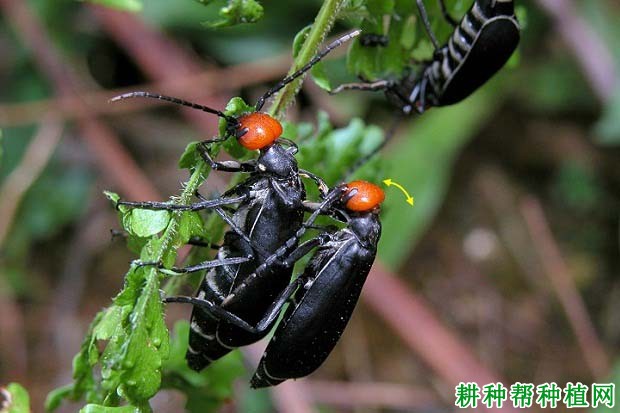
132	331
335	151
190	225
190	157
237	12
126	5
145	350
108	324
19	401
145	222
237	107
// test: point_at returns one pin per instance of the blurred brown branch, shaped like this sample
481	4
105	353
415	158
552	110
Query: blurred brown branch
592	54
161	59
215	80
36	156
411	318
563	285
113	159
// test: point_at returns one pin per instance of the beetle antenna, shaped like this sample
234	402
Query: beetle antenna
174	100
288	79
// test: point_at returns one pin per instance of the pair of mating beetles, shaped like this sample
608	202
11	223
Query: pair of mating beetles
249	281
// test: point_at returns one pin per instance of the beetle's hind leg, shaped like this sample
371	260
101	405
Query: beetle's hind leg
379	85
446	14
225	166
223	314
170	206
427	24
193	268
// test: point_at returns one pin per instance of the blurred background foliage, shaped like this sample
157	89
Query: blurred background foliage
543	135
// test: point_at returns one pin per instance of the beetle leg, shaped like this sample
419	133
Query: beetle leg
446	14
321	185
206	265
217	310
427	24
226	166
236	228
373	86
176	207
288	249
422	96
193	268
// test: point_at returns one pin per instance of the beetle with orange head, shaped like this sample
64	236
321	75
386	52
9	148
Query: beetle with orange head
269	211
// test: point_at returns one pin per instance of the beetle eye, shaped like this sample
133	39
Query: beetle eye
262	167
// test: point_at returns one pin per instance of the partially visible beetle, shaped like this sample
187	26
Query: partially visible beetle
330	288
482	42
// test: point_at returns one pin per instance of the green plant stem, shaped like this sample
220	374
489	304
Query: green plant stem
322	25
197	177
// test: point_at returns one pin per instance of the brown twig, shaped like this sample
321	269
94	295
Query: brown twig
112	157
214	80
160	58
564	287
593	56
36	156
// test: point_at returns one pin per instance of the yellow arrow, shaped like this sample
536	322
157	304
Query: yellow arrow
389	182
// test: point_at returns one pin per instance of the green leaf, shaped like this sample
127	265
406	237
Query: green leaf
236	107
126	5
236	12
319	75
56	396
95	408
190	225
112	196
190	157
132	331
299	40
335	151
145	222
19	399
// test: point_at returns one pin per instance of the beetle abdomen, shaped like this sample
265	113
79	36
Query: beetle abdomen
490	50
311	329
